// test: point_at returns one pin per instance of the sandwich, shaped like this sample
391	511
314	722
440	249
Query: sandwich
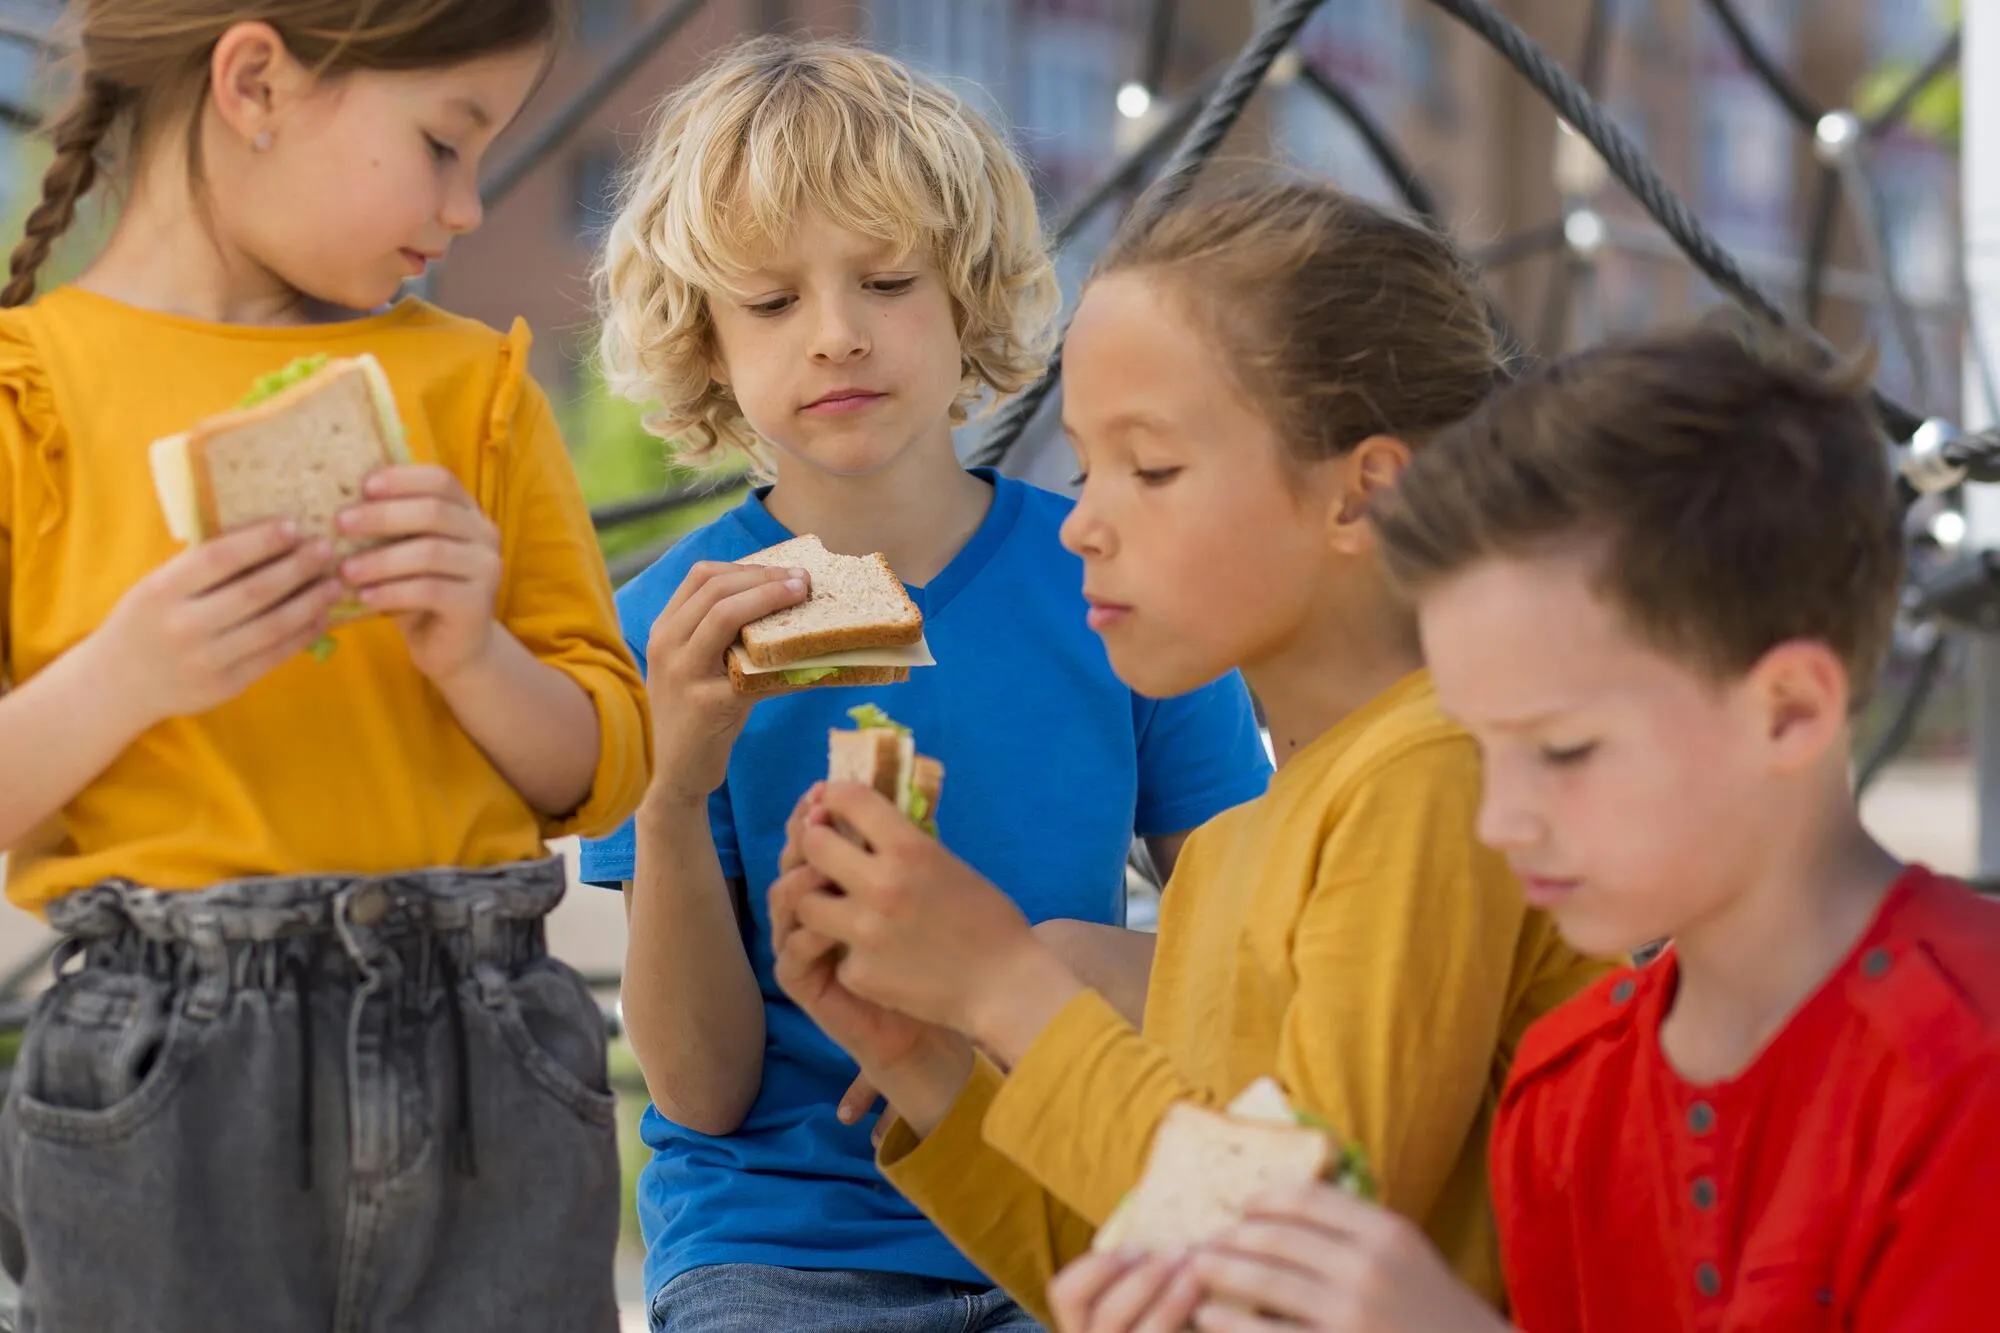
298	446
880	753
857	627
1206	1166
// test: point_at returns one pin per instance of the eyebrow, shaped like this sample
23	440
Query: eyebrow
1125	421
472	109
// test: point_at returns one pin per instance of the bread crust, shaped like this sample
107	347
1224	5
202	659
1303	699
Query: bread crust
771	682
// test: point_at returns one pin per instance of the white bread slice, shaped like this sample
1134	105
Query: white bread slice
857	602
886	759
1203	1170
746	679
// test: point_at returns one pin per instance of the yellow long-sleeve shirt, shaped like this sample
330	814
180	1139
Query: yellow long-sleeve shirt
353	764
1345	933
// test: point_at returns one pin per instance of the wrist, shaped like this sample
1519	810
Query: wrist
1007	1009
114	683
925	1084
486	661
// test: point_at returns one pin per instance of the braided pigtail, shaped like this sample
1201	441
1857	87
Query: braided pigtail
78	132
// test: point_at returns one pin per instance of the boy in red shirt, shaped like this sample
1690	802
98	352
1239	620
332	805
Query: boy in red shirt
1652	581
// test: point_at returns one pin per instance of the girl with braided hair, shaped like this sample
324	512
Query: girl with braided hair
306	1063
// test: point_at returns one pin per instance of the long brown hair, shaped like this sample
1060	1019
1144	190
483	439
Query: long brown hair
138	65
1339	319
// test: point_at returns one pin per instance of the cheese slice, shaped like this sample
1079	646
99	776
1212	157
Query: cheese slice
917	654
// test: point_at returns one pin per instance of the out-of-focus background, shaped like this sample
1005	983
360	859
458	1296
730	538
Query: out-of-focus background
1083	84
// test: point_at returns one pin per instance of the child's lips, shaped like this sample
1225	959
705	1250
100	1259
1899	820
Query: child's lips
1104	614
845	400
1547	890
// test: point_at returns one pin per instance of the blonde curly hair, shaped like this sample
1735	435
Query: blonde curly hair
779	127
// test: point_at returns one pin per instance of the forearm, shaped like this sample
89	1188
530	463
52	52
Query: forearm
532	720
692	1007
73	720
1115	962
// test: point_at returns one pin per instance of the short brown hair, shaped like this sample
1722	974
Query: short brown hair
1339	319
140	64
1740	486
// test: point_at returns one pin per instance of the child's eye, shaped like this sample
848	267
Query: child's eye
1079	479
893	286
1567	756
440	151
1155	476
777	305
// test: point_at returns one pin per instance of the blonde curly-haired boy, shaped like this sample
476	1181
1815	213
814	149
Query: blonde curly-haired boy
823	263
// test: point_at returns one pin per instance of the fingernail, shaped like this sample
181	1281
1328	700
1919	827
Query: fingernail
289	530
796	574
795	585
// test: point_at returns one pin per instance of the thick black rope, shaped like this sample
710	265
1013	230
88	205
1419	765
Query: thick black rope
1630	166
1376	140
1801	108
1560	296
1217	118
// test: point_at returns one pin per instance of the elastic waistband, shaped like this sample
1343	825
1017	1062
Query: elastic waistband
283	907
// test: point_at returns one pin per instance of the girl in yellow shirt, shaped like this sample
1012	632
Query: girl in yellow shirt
311	1066
1243	375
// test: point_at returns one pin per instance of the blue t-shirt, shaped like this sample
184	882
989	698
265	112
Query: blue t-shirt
1051	765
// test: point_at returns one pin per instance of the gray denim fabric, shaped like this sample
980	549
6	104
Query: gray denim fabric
179	1153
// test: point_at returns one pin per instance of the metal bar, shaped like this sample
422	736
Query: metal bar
14	116
1529	244
1380	147
25	32
1801	107
1903	722
1865	202
1646	239
622	512
1159	46
1980	161
1891	116
588	100
1819	240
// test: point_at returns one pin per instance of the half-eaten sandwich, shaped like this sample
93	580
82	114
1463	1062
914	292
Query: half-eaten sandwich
1206	1166
298	446
880	753
857	627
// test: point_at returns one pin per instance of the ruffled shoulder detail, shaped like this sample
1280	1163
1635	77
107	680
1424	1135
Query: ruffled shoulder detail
509	386
29	423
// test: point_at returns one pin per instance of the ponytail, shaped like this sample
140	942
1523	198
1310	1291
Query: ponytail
78	132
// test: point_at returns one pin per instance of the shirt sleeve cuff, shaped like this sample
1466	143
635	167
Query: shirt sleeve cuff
926	1167
1020	1123
623	755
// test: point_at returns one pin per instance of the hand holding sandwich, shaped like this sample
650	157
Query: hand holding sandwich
1313	1257
214	620
436	570
924	933
697	713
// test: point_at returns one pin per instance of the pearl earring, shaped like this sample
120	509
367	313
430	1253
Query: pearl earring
261	142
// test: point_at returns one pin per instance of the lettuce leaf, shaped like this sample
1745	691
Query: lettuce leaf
323	647
868	717
807	675
267	387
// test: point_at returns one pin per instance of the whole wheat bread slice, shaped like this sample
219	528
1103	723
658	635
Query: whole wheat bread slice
1202	1172
303	455
856	602
871	756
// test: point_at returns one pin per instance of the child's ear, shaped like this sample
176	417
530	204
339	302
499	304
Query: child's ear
1801	693
254	80
1362	473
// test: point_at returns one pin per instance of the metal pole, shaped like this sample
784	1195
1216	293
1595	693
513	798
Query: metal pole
554	132
1980	156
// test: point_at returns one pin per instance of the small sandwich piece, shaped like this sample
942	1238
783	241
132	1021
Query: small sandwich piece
857	627
881	753
1206	1166
298	446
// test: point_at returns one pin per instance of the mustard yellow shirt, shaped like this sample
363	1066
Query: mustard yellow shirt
1345	933
353	764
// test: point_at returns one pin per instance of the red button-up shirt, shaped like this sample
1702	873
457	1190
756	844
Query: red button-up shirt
1848	1179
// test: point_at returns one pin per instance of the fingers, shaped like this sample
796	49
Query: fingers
859	1099
211	565
783	899
420	557
803	815
803	952
1291	1245
419	594
257	646
1327	1208
1228	1317
868	813
1152	1294
1259	1285
420	514
280	583
731	601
